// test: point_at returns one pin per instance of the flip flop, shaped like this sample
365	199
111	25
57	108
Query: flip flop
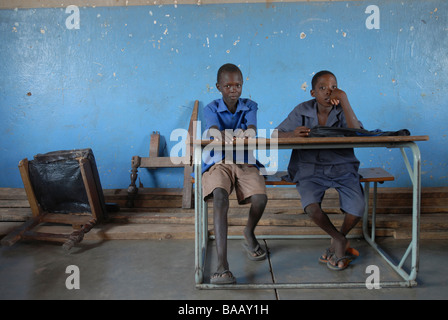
336	267
225	277
328	254
350	253
250	253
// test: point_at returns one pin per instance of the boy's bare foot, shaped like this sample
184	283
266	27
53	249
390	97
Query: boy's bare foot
340	247
252	247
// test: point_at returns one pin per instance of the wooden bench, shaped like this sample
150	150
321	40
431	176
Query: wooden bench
154	161
376	175
368	175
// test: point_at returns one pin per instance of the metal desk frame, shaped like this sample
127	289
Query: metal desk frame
414	170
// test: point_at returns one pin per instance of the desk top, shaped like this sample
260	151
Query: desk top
320	140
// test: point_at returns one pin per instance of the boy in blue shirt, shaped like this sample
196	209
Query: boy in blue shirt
315	170
227	119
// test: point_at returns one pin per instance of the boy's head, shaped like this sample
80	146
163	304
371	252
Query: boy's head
318	75
228	67
230	83
323	84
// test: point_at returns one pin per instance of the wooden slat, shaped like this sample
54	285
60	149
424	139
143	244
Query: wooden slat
12	194
24	173
375	174
91	190
12	203
162	162
187	195
321	140
67	218
111	194
154	145
15	235
15	214
160	221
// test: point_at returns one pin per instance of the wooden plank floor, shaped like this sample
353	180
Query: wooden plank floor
158	214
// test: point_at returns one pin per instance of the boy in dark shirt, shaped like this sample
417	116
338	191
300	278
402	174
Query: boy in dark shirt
316	170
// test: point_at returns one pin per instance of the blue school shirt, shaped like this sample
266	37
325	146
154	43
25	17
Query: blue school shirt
302	162
217	114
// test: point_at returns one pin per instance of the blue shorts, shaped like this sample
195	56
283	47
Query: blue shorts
312	187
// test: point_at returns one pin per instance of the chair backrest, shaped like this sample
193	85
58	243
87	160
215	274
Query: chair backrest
58	182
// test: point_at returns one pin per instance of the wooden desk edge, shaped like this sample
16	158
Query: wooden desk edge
320	140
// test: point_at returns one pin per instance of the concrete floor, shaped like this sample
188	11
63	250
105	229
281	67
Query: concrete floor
164	269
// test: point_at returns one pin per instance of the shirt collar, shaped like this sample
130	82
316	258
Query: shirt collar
241	106
311	109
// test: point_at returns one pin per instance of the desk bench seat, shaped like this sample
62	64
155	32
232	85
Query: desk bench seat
367	175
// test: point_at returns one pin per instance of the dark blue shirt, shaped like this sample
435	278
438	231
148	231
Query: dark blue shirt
303	161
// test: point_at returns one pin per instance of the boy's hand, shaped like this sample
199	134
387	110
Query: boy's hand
301	131
336	96
225	135
245	134
238	133
249	133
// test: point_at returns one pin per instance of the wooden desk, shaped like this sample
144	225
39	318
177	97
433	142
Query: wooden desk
414	170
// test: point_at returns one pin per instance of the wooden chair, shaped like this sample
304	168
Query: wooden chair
62	187
154	162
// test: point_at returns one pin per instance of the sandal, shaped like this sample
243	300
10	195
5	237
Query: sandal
350	253
328	253
336	267
257	254
225	277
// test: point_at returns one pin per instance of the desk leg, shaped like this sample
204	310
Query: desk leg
415	175
365	220
199	205
374	200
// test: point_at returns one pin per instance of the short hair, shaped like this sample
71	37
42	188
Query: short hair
318	75
228	67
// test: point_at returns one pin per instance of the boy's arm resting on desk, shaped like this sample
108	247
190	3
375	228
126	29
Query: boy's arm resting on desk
216	134
301	131
227	135
250	132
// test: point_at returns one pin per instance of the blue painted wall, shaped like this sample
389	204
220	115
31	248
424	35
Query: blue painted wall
129	71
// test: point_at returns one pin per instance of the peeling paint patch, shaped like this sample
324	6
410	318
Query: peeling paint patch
304	86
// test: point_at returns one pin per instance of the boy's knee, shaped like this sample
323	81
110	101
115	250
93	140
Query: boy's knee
259	200
220	195
313	210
